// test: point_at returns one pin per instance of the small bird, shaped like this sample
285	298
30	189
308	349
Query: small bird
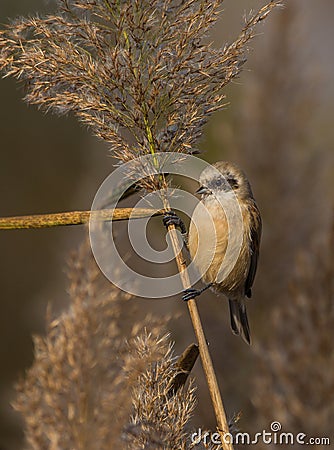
226	267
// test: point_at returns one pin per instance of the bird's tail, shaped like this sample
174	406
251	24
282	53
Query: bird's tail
239	321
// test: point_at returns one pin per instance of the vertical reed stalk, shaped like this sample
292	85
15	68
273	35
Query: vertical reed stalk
207	364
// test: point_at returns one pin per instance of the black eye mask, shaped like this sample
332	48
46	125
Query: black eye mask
232	182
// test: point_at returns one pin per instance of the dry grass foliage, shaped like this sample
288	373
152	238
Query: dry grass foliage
298	362
138	73
92	388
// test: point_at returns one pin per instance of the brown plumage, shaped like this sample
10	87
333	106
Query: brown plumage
224	238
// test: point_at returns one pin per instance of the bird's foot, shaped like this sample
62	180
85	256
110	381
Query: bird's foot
192	293
171	218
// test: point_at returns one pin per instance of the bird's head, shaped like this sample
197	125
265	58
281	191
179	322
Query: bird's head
224	177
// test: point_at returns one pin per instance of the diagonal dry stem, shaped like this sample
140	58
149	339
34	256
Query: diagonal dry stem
73	218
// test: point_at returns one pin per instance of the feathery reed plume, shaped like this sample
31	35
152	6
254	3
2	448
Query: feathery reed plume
159	420
297	363
138	73
85	377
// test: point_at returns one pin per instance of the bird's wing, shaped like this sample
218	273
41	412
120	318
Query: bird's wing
255	236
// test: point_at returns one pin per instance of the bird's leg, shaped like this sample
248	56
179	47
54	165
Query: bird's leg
192	293
171	218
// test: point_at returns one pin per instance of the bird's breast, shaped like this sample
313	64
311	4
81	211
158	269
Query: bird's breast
219	244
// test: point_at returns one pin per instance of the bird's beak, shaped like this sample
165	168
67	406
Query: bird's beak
203	190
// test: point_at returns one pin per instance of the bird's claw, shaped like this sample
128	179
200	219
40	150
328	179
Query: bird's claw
190	293
171	218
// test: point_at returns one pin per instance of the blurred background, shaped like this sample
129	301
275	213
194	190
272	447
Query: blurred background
278	127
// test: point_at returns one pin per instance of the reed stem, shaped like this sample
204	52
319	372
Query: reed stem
210	375
73	218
